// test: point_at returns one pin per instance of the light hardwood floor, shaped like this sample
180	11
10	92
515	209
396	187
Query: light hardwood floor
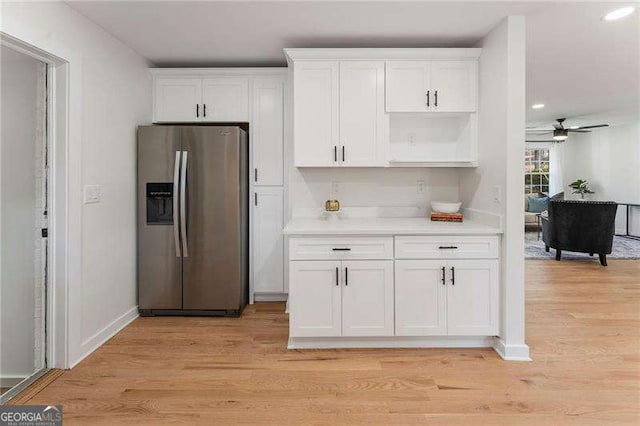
583	327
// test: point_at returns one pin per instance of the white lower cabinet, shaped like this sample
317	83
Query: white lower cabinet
473	298
421	298
267	240
315	299
447	297
341	298
367	298
335	291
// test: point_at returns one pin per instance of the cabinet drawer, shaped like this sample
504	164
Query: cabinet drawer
340	248
447	247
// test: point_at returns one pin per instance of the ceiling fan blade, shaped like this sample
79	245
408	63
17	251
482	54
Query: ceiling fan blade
538	132
593	127
543	141
578	131
558	126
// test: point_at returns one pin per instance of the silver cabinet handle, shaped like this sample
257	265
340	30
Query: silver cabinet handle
428	98
176	192
343	153
346	276
448	247
443	276
436	102
453	276
337	277
183	205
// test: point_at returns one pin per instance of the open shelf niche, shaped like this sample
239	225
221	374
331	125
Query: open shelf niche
433	140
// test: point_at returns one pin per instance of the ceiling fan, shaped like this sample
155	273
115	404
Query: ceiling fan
560	133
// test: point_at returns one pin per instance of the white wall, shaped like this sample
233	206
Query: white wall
501	125
384	189
116	97
18	93
609	158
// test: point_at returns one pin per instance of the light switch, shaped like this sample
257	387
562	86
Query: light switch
420	186
91	194
497	194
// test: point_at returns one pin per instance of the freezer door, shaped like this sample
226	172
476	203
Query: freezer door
159	262
215	251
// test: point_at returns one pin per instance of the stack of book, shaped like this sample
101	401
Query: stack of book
446	217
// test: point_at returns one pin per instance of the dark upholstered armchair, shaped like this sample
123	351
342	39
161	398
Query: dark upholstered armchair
580	226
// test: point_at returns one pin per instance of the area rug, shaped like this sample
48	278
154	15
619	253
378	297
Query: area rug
623	248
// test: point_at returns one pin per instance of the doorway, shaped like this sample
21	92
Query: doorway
24	244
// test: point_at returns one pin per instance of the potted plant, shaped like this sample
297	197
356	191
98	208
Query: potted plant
580	187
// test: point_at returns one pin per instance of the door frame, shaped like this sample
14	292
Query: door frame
64	112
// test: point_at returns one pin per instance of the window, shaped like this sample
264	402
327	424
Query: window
536	171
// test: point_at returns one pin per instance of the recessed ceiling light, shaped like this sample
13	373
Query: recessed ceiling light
619	13
537	106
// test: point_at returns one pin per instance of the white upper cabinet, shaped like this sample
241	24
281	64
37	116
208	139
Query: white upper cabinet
454	85
315	103
362	116
431	86
367	298
267	131
407	83
225	99
268	246
177	99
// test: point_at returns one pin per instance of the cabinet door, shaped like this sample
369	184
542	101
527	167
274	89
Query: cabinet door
267	131
454	86
315	113
315	306
472	297
225	99
362	113
268	246
367	298
407	83
420	298
177	100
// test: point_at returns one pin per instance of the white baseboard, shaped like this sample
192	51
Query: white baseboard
270	297
101	337
390	342
9	381
511	352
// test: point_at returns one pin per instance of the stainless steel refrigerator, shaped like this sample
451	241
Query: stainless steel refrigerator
193	220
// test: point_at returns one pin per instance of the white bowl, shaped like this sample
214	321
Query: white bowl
442	207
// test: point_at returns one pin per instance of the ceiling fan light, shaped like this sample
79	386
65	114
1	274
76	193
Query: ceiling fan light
619	13
560	134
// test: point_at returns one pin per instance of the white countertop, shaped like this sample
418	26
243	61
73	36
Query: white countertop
385	226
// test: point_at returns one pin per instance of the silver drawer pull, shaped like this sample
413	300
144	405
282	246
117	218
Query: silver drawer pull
448	247
341	249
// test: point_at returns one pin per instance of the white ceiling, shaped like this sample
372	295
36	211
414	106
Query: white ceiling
577	64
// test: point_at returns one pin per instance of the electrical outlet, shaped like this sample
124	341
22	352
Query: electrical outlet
335	188
420	186
91	194
497	194
411	139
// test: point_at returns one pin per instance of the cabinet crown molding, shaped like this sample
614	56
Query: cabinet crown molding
219	72
381	53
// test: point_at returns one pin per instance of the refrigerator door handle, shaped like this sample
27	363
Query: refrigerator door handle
183	205
176	224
